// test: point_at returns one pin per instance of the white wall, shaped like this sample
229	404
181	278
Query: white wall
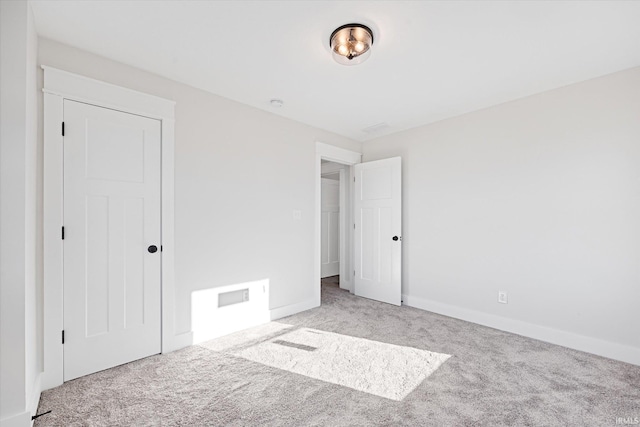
20	342
539	197
331	170
240	174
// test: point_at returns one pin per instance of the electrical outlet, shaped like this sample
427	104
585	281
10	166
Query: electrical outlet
245	295
502	297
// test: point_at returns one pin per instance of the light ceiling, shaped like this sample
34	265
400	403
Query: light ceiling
430	60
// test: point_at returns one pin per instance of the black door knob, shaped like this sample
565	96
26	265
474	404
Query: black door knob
152	249
395	238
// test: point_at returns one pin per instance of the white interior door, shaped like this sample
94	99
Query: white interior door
378	227
111	208
330	226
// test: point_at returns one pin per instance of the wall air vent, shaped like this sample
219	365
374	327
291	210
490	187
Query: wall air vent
233	297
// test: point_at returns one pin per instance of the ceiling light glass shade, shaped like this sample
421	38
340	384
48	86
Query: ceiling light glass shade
351	44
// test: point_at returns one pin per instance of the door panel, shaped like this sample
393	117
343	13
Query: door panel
111	215
133	255
378	218
97	273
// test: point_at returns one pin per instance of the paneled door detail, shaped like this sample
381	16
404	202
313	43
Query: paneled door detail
112	261
330	248
378	227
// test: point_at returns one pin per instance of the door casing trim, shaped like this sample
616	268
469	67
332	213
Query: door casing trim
58	86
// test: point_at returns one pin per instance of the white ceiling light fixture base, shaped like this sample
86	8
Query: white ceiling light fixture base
276	103
351	44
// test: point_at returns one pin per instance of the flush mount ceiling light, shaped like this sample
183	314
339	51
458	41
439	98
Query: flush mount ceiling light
351	44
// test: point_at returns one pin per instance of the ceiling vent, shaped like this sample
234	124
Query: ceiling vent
376	128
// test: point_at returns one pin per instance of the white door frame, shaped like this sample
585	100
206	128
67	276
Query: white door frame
345	157
345	281
58	86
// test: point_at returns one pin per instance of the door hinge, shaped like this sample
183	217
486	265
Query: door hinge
63	232
354	226
63	336
62	128
354	273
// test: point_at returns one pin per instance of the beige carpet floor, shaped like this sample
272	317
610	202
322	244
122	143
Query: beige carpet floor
492	378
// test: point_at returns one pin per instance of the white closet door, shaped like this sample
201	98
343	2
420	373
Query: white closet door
112	288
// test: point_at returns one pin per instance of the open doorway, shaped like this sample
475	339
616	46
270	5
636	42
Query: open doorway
333	224
371	263
334	217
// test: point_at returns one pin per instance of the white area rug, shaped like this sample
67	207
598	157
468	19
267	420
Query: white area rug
382	369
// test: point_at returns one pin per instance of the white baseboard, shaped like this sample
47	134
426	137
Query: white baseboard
346	285
22	419
178	341
587	344
288	310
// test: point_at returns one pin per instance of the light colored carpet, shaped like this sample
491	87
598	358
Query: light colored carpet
492	379
386	370
332	281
